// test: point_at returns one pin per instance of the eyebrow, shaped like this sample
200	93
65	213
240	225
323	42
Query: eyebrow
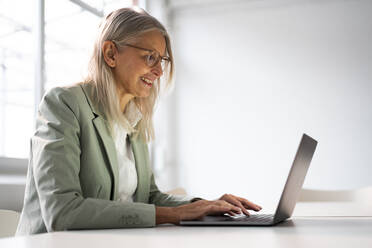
162	55
143	48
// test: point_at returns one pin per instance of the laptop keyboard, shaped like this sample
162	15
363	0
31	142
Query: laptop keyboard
253	218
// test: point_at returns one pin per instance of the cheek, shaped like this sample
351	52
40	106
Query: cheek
134	69
133	83
128	75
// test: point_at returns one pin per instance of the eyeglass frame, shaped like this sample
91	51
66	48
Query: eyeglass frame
162	58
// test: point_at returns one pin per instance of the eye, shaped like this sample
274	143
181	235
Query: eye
151	59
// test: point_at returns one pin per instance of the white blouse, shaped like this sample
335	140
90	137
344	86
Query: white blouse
126	164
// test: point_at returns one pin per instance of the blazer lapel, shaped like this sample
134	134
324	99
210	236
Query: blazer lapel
142	191
99	123
110	149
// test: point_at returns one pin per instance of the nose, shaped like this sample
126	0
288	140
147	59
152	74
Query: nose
157	70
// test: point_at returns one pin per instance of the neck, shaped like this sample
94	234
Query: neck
124	99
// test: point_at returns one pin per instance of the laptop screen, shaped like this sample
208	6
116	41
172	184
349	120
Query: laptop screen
295	178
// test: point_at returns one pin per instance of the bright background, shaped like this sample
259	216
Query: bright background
251	77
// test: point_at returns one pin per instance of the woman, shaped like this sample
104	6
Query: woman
89	163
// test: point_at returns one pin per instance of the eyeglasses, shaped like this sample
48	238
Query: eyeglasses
153	58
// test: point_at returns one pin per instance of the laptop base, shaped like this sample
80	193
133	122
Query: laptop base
253	220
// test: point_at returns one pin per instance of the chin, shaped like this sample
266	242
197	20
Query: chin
144	94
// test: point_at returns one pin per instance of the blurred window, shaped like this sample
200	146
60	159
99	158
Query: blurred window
70	29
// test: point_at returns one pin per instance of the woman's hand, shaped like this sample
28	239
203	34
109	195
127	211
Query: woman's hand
193	211
226	204
242	203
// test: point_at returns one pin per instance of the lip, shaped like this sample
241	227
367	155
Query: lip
146	83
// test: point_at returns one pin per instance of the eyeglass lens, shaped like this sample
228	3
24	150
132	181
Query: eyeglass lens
154	58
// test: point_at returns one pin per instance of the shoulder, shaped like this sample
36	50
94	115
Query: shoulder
71	97
72	92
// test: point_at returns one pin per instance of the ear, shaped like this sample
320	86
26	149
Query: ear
109	53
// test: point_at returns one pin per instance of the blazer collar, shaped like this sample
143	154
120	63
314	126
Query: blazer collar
90	92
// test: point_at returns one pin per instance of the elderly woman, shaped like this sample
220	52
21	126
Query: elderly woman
89	163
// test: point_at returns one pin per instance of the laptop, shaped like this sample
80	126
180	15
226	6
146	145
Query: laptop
287	200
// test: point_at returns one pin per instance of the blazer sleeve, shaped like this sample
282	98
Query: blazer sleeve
56	163
166	200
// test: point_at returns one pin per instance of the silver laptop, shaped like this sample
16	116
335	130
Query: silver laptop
287	201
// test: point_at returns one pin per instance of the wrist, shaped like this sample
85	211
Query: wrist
166	215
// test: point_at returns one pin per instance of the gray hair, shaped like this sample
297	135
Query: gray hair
121	26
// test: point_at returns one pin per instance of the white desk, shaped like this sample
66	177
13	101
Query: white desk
297	232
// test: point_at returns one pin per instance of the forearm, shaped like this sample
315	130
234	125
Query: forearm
91	213
166	215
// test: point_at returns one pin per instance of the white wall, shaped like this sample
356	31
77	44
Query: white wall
164	160
252	76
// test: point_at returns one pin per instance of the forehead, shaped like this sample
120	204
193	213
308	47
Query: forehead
153	40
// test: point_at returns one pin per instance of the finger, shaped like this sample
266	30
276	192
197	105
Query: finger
226	206
231	213
233	208
223	197
236	201
250	205
218	207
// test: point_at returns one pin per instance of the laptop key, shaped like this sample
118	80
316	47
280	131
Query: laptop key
256	218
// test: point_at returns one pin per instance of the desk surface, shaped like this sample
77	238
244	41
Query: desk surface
308	231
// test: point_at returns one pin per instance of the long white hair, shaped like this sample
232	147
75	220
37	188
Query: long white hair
121	26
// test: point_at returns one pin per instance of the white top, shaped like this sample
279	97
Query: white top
126	164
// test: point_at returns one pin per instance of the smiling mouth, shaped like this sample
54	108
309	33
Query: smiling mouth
146	81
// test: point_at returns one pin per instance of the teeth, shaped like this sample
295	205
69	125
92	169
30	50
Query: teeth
146	80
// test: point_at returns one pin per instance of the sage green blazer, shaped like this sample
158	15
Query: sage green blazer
72	179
